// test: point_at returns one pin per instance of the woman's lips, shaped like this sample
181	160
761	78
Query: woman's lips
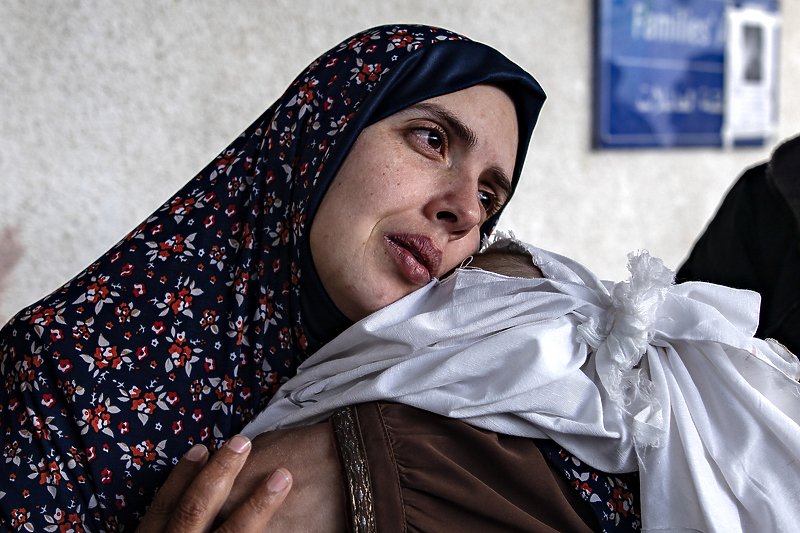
417	256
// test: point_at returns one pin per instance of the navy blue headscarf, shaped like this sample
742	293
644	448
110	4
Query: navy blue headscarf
186	327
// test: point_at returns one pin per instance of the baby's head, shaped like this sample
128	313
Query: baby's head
508	262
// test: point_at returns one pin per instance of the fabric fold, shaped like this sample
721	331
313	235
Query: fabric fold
644	374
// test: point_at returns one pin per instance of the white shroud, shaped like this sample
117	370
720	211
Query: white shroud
667	379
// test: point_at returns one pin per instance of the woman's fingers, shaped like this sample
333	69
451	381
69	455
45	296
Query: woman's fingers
160	511
316	501
203	498
196	491
252	516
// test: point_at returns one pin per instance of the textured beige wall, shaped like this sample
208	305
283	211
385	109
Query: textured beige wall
106	108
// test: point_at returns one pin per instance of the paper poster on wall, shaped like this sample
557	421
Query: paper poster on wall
750	78
662	72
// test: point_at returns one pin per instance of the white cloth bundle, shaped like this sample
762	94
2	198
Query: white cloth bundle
641	374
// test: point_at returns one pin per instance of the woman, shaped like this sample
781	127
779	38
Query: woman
185	328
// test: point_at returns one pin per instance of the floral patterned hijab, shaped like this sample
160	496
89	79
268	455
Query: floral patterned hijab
186	327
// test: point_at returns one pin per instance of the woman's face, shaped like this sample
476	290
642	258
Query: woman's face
408	202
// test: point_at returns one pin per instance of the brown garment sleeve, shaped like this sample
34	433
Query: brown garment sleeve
410	470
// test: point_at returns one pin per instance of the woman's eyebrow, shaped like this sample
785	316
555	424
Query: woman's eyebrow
502	180
460	130
468	136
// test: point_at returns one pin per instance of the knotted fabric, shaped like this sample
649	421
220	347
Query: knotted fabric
642	374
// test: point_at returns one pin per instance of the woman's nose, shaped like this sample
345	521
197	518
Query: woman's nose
456	205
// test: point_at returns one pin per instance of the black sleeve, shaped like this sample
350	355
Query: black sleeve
753	243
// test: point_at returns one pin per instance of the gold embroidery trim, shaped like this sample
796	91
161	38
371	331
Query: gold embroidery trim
359	489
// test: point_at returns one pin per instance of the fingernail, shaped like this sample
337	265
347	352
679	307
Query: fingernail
238	443
277	481
196	453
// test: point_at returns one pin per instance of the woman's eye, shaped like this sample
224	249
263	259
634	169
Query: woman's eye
434	140
431	138
488	201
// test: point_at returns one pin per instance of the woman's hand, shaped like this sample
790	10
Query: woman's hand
194	492
317	501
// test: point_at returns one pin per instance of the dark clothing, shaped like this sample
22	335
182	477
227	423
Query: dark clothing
411	470
753	242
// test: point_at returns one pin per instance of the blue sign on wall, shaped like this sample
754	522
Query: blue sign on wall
660	71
